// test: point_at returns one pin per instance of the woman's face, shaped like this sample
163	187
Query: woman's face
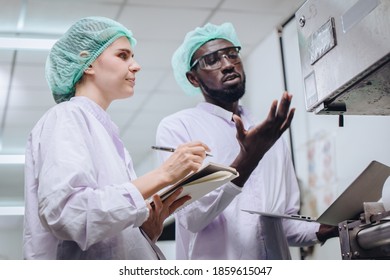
114	71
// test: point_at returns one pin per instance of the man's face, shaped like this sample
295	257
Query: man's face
225	84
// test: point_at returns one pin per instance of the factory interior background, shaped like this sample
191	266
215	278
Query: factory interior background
327	157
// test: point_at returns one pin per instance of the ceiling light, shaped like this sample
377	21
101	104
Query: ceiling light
11	159
15	43
11	211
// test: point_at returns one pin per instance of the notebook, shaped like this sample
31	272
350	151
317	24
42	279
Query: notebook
198	184
367	187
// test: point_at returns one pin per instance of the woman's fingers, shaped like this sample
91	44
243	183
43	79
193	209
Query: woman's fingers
172	202
194	148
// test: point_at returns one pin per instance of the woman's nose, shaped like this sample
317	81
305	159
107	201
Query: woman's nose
134	66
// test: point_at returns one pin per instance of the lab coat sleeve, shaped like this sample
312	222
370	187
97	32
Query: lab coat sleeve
71	203
299	233
194	217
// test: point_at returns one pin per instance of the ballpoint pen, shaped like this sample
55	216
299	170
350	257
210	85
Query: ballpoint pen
170	149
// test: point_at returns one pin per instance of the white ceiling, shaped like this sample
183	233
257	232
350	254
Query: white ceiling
158	25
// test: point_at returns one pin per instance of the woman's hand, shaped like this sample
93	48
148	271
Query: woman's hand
159	211
186	158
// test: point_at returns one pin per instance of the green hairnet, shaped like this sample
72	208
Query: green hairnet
192	42
77	49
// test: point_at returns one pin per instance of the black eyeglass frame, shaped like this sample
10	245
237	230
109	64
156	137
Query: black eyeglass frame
238	48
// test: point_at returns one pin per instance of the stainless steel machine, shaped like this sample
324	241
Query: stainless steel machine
345	56
362	215
367	237
345	59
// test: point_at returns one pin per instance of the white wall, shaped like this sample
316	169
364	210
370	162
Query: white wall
11	241
264	76
12	248
264	83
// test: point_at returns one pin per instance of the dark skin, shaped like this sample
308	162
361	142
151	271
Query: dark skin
255	142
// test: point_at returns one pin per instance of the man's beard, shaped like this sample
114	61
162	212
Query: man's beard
225	95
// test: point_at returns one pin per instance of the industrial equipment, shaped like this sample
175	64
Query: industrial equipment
369	236
345	56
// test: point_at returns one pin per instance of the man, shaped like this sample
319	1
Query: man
214	227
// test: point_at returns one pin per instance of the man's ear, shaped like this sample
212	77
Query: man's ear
192	79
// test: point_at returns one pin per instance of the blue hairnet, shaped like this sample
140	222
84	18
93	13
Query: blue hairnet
75	51
192	42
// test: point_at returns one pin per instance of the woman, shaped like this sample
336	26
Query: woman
83	199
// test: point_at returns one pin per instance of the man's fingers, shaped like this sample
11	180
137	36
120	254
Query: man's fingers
239	127
284	107
288	121
272	110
